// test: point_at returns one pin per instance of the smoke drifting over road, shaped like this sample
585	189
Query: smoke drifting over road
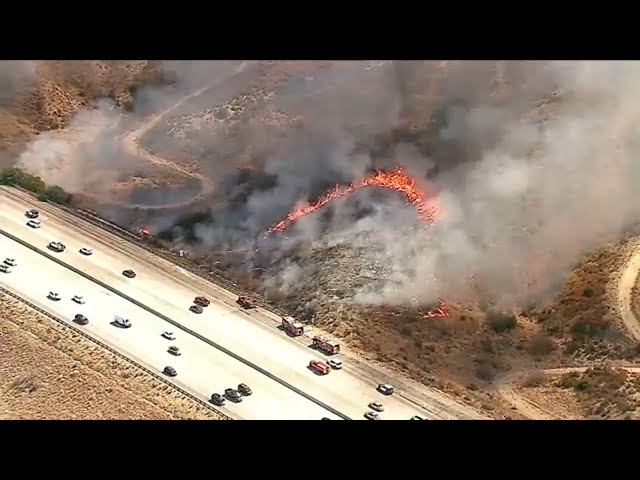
534	162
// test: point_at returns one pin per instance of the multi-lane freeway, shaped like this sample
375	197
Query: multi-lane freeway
221	347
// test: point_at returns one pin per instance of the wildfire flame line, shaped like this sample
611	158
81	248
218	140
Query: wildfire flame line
428	207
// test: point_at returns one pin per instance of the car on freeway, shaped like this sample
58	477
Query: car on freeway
170	371
57	246
129	273
173	350
377	406
55	296
233	395
86	251
335	364
202	301
122	322
4	268
196	309
11	262
418	417
169	335
79	299
244	389
246	302
371	416
33	213
80	319
217	399
385	389
34	223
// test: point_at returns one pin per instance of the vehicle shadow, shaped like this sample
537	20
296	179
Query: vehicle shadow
116	324
316	371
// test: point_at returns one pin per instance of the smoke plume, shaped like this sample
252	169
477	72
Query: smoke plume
534	162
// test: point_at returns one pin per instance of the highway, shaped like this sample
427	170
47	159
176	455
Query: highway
201	369
166	288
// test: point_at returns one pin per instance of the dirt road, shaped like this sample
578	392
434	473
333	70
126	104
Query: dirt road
507	389
129	142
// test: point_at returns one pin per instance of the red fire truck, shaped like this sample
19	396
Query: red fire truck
319	367
294	328
326	345
246	302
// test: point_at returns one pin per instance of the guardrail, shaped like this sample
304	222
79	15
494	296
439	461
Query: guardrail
115	352
178	325
163	253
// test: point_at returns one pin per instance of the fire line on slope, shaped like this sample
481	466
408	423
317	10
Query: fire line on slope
428	207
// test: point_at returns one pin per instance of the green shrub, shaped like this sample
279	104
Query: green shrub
16	177
54	194
588	292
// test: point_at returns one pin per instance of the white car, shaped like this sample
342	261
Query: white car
123	322
335	364
377	406
169	335
34	223
372	416
54	296
4	268
11	262
78	299
86	251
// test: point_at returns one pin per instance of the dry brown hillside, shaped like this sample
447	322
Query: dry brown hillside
539	186
49	93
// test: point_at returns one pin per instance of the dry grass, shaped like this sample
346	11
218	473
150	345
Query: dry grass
557	403
583	319
49	372
61	89
604	392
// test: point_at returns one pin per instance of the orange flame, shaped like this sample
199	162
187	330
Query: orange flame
439	312
428	206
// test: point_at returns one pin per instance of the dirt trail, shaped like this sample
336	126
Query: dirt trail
506	388
129	142
625	290
623	296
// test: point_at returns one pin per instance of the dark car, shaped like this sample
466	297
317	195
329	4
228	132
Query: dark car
202	301
233	395
80	319
217	399
170	371
385	389
129	273
196	309
244	389
246	302
33	213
